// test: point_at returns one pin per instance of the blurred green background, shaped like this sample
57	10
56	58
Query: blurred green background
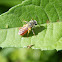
25	54
29	55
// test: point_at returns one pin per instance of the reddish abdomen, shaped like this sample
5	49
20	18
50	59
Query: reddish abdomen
23	31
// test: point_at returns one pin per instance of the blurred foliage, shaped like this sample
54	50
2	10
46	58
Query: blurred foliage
26	55
29	55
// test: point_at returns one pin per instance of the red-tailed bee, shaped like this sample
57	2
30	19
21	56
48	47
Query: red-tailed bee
27	27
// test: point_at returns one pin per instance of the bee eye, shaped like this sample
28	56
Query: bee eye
35	24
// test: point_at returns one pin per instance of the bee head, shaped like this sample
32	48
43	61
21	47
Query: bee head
34	22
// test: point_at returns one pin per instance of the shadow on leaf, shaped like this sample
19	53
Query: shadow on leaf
36	31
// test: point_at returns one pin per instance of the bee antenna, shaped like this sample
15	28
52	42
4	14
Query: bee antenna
31	19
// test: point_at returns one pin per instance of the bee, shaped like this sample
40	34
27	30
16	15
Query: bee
27	27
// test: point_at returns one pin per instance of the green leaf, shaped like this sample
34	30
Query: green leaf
15	16
27	10
48	36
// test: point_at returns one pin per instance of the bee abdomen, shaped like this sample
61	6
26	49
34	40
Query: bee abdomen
23	31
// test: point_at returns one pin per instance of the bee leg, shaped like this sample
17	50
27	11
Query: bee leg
29	29
28	33
33	32
20	28
26	22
